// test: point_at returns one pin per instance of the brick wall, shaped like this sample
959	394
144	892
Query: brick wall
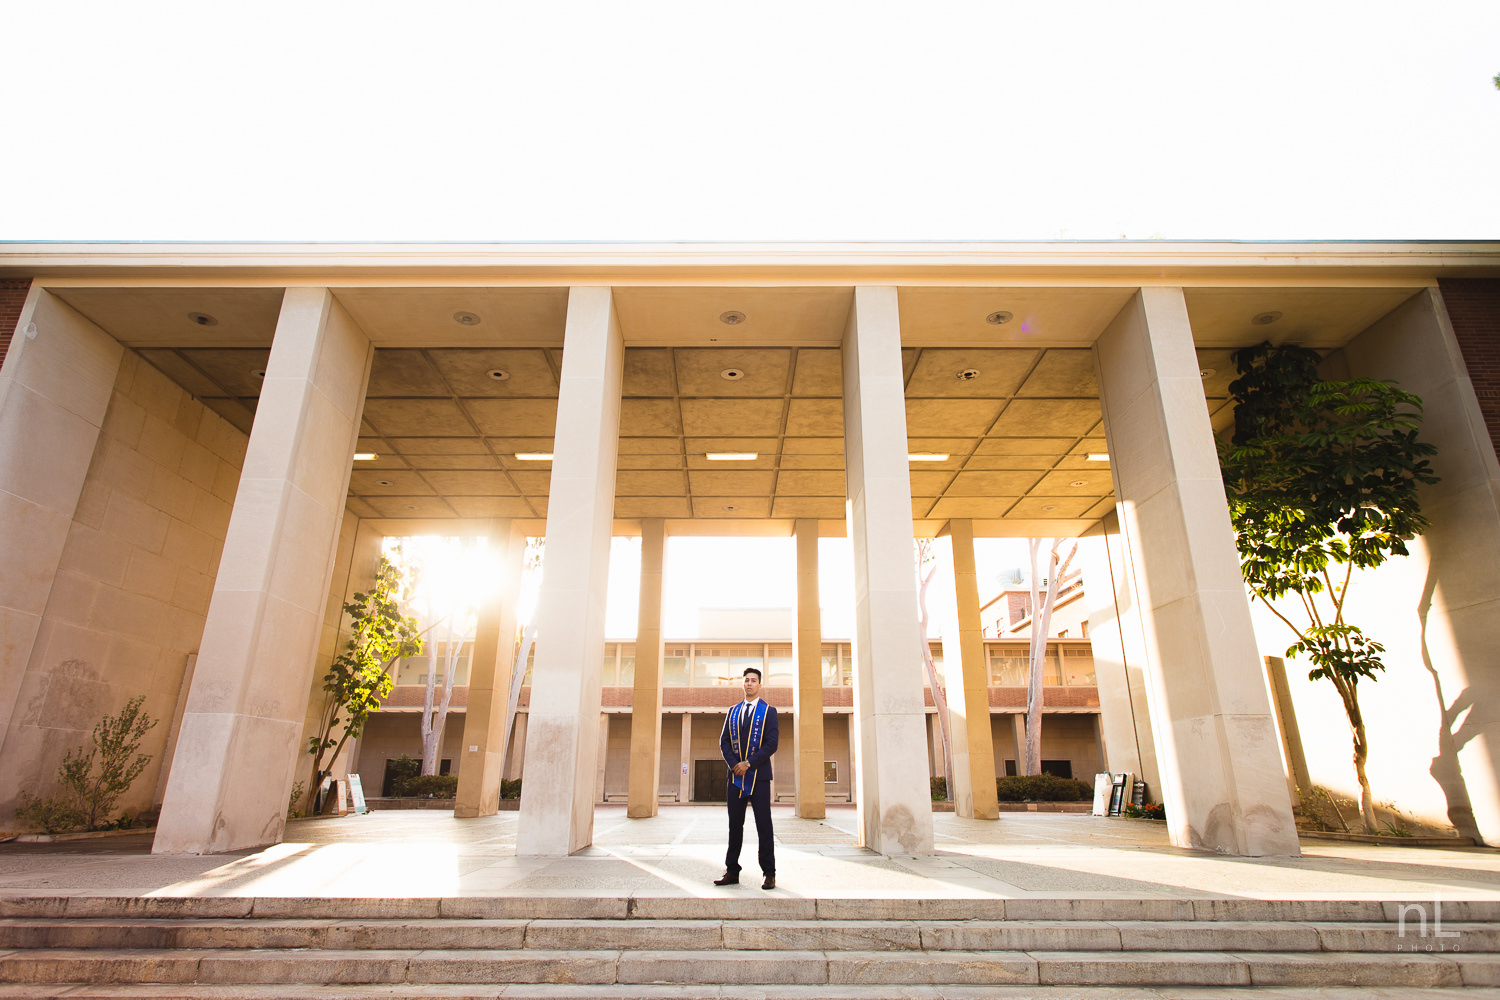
12	297
1474	306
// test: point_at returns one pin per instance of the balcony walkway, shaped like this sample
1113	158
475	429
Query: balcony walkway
426	854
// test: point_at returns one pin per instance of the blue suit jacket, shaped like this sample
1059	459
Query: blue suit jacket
760	760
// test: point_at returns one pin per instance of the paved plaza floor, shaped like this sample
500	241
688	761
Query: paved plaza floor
428	853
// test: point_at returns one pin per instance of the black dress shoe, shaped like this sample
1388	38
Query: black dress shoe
728	878
769	883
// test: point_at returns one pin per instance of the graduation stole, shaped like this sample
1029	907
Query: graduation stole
757	730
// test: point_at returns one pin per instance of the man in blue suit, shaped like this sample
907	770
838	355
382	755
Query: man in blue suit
747	743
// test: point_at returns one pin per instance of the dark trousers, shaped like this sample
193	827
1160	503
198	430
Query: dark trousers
760	804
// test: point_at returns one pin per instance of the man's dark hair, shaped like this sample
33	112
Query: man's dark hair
753	670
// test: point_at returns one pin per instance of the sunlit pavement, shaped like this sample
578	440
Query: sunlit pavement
428	853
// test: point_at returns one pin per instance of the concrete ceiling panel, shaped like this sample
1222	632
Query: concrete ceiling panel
533	483
504	417
731	507
819	507
920	506
971	507
653	507
626	460
1047	418
160	317
643	483
174	367
1000	373
700	446
649	372
649	418
816	417
1313	317
941	445
417	418
833	463
410	506
650	446
729	417
453	482
929	484
424	317
467	371
998	463
980	484
385	458
232	369
726	484
360	508
763	461
1059	483
475	462
508	446
765	371
437	446
404	372
1101	508
690	316
1221	365
813	446
372	482
1090	446
1047	316
1062	374
811	484
949	417
491	506
1049	508
819	373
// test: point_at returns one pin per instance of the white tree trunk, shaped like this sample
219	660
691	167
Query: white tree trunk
939	700
435	717
1041	624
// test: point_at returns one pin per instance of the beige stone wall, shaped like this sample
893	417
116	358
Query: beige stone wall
134	581
388	735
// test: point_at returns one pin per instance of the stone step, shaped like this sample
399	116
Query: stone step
763	968
738	935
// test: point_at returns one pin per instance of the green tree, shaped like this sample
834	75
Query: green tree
93	778
360	678
1322	477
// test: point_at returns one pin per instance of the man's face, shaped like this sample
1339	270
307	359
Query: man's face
752	686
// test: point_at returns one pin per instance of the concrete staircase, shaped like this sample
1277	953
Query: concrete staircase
756	946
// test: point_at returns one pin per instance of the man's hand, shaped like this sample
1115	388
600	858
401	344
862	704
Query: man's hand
741	768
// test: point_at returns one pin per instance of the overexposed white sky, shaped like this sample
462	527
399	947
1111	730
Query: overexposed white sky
767	121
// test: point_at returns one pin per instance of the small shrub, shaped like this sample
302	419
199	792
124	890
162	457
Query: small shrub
429	786
399	770
94	777
939	789
510	788
1041	788
298	789
1148	811
49	814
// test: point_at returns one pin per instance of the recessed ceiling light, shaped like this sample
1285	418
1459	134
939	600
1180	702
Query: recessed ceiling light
999	318
1262	319
967	375
732	374
732	318
498	374
1205	372
730	506
203	319
1098	456
411	506
1079	482
466	318
1050	507
731	456
534	456
383	482
365	456
258	372
927	456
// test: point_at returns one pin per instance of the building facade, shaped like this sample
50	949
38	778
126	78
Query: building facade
184	510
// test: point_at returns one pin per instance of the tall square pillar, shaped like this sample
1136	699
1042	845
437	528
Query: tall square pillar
490	669
973	745
890	771
557	800
1217	746
240	742
645	705
807	696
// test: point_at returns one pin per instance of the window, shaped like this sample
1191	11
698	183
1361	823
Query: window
607	669
413	670
627	664
781	668
674	665
1010	666
710	665
1078	666
830	666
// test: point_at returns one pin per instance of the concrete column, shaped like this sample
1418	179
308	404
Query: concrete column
240	742
557	806
807	696
490	670
515	760
895	804
1433	738
1018	737
685	787
1222	782
55	387
1286	721
1117	637
973	779
645	711
600	789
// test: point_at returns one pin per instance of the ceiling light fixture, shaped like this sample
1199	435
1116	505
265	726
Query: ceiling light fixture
999	318
927	456
1098	456
732	374
203	319
258	372
1050	507
731	318
534	456
365	456
1205	373
498	374
1079	482
466	318
967	375
731	456
383	482
1265	318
